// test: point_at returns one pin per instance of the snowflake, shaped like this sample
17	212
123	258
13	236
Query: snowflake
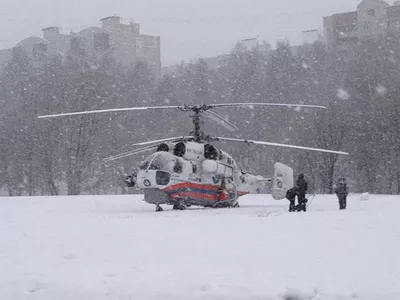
392	59
380	90
297	108
343	94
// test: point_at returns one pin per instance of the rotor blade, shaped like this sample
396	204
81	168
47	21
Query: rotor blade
163	140
182	107
279	145
109	110
129	153
266	104
221	121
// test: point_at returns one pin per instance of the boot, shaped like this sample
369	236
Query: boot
301	206
342	204
292	206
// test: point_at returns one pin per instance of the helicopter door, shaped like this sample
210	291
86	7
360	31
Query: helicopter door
282	181
232	187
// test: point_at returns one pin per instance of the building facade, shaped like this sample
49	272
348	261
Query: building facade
372	18
311	36
123	41
340	28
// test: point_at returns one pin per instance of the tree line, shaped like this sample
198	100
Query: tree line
359	84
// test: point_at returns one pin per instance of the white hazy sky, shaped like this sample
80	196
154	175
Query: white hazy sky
188	28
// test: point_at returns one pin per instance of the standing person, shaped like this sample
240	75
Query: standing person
342	192
291	196
302	187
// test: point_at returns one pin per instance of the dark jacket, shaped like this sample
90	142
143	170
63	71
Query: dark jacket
302	185
291	194
341	188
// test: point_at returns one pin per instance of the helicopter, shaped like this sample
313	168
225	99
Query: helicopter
190	171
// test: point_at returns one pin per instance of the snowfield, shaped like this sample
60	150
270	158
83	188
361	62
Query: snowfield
117	247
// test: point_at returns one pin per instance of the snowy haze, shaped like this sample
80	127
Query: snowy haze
189	29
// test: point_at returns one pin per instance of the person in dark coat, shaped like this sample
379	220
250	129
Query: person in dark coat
302	187
291	196
342	192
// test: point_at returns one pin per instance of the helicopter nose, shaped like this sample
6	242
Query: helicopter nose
153	179
146	179
130	181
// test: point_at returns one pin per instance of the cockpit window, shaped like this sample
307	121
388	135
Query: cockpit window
178	168
162	162
145	164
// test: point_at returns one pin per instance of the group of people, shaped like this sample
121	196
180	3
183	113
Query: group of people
301	188
298	191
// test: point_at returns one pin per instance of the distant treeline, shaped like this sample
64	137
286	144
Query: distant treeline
359	85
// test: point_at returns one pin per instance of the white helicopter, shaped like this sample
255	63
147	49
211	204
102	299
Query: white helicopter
189	170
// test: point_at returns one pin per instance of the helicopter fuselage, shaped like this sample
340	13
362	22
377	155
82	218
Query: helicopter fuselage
194	174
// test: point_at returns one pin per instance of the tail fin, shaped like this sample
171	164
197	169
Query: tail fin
282	181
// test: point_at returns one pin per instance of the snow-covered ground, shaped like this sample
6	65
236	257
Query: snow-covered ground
117	247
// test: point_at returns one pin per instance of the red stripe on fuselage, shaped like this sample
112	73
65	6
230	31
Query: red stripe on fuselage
201	196
205	196
192	185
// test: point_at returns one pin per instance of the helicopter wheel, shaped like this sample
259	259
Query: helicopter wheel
236	205
179	207
159	208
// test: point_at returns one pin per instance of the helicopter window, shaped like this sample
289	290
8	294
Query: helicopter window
162	162
146	163
178	168
162	178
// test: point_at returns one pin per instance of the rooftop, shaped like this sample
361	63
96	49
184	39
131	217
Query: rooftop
110	17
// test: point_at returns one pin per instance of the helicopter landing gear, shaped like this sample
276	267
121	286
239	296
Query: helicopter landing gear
159	208
235	204
179	207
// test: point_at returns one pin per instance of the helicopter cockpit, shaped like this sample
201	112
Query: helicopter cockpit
162	161
156	170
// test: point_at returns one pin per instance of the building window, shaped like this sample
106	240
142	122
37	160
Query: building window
371	12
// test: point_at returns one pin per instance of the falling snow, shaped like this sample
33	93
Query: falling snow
381	90
343	94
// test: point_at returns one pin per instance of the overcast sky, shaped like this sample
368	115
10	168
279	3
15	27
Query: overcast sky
188	28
